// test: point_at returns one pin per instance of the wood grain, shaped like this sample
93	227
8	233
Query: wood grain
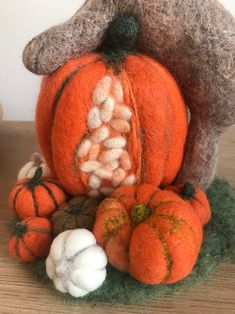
20	293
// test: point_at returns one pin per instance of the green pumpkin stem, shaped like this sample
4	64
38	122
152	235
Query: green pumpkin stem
188	192
36	180
120	40
19	229
140	213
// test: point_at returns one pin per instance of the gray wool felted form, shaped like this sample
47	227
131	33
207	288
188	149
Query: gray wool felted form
194	39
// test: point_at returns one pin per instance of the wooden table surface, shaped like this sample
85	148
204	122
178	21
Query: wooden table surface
20	293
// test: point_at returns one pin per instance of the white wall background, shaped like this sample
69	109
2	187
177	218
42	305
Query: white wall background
20	20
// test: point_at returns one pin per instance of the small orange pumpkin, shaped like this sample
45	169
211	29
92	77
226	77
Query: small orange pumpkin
112	118
150	233
196	198
31	239
36	197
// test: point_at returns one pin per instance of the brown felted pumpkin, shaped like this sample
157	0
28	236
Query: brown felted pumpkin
196	198
79	212
31	239
151	233
36	197
112	118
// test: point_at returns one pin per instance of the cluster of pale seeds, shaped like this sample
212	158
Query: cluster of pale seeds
105	156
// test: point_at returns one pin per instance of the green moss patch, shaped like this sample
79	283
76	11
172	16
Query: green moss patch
219	243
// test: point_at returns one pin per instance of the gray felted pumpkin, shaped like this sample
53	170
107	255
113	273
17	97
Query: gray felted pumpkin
79	212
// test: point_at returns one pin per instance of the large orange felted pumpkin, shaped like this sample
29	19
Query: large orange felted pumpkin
112	118
31	239
36	197
150	233
196	198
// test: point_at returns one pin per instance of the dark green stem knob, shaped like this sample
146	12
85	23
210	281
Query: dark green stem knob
188	192
122	33
19	229
36	180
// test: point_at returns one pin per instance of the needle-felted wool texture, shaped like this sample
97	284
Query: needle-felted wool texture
36	197
79	212
193	39
196	198
31	239
150	233
112	118
76	264
219	243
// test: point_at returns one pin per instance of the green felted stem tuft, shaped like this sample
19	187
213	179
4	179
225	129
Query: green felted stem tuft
36	180
219	243
19	229
122	33
188	192
139	214
120	40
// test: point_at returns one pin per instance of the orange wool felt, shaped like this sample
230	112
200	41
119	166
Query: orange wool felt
196	198
139	109
151	233
36	197
31	239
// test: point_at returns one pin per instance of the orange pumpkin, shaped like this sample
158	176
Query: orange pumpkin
150	233
36	197
112	118
196	198
31	239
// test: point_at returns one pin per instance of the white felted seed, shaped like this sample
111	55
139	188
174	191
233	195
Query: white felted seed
106	191
86	258
94	151
81	266
94	182
112	165
125	161
103	173
118	91
93	118
110	155
130	180
57	247
100	135
29	169
23	173
102	90
90	166
88	279
122	112
115	142
118	176
83	148
106	111
94	193
73	246
121	125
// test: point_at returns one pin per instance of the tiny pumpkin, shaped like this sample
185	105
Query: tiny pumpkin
79	212
29	169
196	198
150	233
31	239
36	197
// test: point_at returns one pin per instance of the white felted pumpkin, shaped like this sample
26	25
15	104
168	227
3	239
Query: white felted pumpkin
76	265
29	169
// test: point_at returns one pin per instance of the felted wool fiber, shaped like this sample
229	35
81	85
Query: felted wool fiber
105	128
194	39
35	197
219	243
156	239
